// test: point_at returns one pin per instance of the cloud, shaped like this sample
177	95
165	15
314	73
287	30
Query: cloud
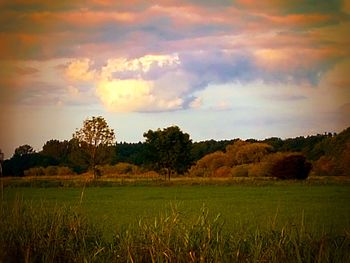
137	66
334	86
134	95
143	84
79	70
125	95
179	48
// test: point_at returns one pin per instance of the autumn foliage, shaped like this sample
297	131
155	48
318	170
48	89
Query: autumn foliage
242	159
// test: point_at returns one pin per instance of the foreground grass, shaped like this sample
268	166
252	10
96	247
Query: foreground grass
267	221
323	208
37	234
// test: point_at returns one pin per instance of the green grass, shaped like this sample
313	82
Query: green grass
248	222
319	208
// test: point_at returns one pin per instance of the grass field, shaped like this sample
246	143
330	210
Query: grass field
318	208
185	220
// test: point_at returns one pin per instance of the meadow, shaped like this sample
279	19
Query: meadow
243	213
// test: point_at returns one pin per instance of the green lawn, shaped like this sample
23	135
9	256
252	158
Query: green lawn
320	207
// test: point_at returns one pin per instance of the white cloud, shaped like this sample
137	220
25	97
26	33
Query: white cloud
134	95
138	65
143	88
125	95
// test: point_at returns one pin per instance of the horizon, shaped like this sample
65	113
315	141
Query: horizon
38	150
217	69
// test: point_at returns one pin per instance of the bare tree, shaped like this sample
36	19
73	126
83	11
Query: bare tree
95	133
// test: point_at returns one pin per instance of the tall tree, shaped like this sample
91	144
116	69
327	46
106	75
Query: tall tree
57	150
24	150
169	149
24	158
95	136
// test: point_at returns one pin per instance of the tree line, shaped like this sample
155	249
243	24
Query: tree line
171	151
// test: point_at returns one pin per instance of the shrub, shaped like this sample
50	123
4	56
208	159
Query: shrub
126	168
196	171
240	170
48	171
288	166
344	161
325	166
244	152
223	171
258	170
35	171
119	169
64	170
51	170
206	166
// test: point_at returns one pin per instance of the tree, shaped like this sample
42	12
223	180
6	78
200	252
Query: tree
24	150
243	152
96	137
23	158
57	150
169	150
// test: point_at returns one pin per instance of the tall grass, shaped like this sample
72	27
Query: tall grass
31	233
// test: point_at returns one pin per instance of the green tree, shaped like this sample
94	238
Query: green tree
169	150
96	137
57	150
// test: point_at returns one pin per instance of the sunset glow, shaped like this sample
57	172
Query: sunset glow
218	69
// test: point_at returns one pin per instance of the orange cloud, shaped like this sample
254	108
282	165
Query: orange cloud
300	20
267	5
80	70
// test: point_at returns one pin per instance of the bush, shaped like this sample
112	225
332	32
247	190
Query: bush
288	166
119	169
35	171
223	171
244	152
240	170
325	166
207	166
48	171
259	170
64	170
51	170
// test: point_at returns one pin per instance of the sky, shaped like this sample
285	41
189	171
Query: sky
217	69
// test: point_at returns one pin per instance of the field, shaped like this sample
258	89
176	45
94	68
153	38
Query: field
321	210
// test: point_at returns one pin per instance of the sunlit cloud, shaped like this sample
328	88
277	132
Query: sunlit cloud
127	85
278	63
125	95
80	70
